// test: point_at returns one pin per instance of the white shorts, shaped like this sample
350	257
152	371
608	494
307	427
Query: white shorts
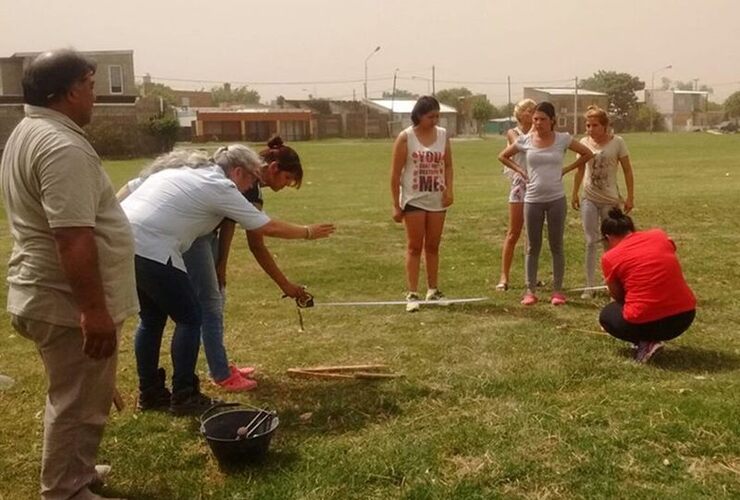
518	190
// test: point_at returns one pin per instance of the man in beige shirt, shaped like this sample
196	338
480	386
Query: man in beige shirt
71	271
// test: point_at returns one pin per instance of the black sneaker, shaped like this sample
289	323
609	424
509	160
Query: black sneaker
155	398
191	403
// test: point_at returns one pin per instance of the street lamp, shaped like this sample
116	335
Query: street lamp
365	87
652	93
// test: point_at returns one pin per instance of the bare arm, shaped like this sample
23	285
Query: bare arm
225	237
123	193
289	231
400	150
448	196
629	180
505	158
584	155
575	200
78	256
264	258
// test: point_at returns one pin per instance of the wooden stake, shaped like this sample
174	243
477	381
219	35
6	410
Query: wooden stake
305	373
366	375
296	372
343	368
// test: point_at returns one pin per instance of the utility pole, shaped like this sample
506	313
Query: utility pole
510	110
393	102
434	88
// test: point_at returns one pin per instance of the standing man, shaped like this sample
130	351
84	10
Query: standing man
71	271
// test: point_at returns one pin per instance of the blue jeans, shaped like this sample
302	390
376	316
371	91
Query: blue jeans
166	291
200	259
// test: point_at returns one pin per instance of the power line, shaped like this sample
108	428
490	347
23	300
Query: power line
356	81
530	82
254	83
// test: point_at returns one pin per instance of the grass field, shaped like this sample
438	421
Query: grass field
498	401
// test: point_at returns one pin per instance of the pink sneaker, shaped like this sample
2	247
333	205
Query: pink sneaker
236	382
529	299
246	371
557	299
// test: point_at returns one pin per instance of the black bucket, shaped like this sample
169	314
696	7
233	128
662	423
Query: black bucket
221	424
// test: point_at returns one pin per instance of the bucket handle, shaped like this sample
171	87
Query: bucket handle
204	416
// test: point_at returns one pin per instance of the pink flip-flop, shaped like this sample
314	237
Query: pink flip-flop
246	371
557	299
529	299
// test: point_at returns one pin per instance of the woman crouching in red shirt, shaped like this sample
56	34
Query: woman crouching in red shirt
652	302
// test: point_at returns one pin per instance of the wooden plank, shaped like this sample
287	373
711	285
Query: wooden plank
294	372
367	376
343	368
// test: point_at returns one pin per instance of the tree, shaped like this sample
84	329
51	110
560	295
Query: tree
732	105
483	111
506	110
642	116
400	94
164	130
714	106
452	96
240	95
689	85
158	90
621	89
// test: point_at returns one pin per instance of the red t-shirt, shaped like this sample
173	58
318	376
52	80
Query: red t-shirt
646	266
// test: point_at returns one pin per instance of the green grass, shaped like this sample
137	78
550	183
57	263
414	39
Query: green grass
497	401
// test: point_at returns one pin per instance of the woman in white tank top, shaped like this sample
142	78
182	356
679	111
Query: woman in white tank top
421	188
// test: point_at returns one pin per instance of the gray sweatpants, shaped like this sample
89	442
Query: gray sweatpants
534	220
591	216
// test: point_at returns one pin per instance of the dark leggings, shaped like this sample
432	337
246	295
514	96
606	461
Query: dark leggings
612	319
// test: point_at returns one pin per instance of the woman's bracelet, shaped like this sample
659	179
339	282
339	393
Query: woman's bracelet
309	234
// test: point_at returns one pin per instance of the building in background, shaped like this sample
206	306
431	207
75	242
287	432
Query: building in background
680	110
118	126
499	126
569	105
399	115
251	124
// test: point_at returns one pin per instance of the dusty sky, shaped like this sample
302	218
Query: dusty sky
475	43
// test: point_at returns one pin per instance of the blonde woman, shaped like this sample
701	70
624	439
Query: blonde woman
600	187
523	112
